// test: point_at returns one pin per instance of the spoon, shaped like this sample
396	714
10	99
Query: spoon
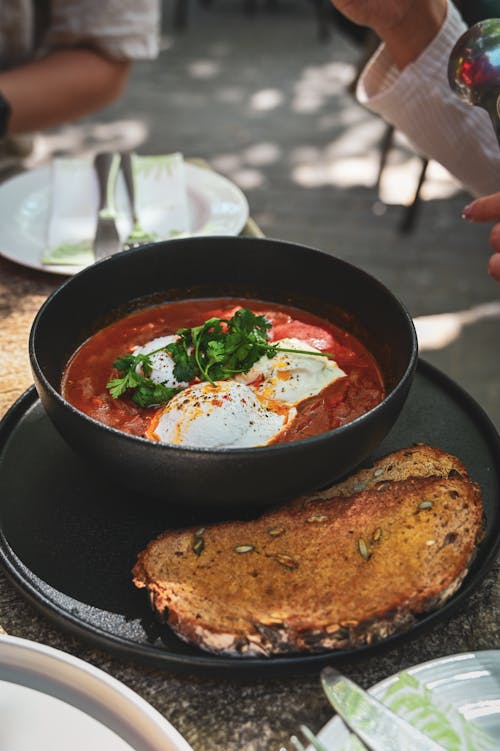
474	68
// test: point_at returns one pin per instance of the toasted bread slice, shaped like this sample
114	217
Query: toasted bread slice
419	460
330	574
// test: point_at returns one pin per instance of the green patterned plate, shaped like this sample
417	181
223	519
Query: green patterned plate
455	700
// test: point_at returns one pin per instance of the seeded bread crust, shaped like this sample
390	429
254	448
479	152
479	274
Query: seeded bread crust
341	570
419	460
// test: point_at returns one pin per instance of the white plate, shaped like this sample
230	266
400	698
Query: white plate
216	207
51	701
470	682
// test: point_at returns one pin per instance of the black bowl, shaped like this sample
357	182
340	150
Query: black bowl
270	270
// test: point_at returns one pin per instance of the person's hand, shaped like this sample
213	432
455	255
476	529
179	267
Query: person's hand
487	209
377	14
406	26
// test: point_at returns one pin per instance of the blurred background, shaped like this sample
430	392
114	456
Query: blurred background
263	90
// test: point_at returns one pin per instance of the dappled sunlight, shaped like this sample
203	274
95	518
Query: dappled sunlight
203	69
318	95
308	101
439	183
319	83
440	330
266	100
355	140
349	115
353	160
350	160
249	179
227	163
345	173
85	140
399	182
261	154
242	168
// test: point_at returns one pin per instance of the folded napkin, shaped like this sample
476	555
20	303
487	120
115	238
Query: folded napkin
414	702
161	205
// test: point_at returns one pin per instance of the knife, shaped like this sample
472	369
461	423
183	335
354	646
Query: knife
106	240
370	720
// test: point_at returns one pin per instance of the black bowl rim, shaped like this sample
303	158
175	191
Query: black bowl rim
194	451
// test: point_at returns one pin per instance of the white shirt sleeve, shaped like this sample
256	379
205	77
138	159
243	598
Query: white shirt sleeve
419	102
122	29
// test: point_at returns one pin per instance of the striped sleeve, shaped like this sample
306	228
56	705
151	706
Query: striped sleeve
418	101
121	29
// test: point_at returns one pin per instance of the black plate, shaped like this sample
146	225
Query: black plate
68	538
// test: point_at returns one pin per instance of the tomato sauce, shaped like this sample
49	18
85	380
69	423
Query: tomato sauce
91	367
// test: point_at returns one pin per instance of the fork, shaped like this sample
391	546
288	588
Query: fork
311	739
138	235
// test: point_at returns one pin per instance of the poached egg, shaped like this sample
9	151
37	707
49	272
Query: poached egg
162	363
291	377
223	414
250	409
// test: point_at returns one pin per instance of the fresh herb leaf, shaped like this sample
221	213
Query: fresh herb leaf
185	367
148	394
127	364
216	350
136	370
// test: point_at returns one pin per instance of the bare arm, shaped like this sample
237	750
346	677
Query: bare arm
406	26
62	86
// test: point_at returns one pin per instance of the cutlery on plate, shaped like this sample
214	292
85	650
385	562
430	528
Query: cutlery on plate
370	720
137	236
106	240
311	739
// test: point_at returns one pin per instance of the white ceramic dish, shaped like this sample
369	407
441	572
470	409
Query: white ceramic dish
216	207
52	701
470	682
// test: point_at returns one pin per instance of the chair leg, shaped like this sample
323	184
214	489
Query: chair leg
385	147
322	10
180	15
410	213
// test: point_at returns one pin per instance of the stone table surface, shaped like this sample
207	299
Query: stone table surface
277	118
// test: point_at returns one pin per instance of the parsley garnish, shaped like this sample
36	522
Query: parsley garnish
146	392
221	347
214	351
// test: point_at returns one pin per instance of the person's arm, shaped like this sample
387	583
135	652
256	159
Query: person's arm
406	27
416	97
406	83
60	87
